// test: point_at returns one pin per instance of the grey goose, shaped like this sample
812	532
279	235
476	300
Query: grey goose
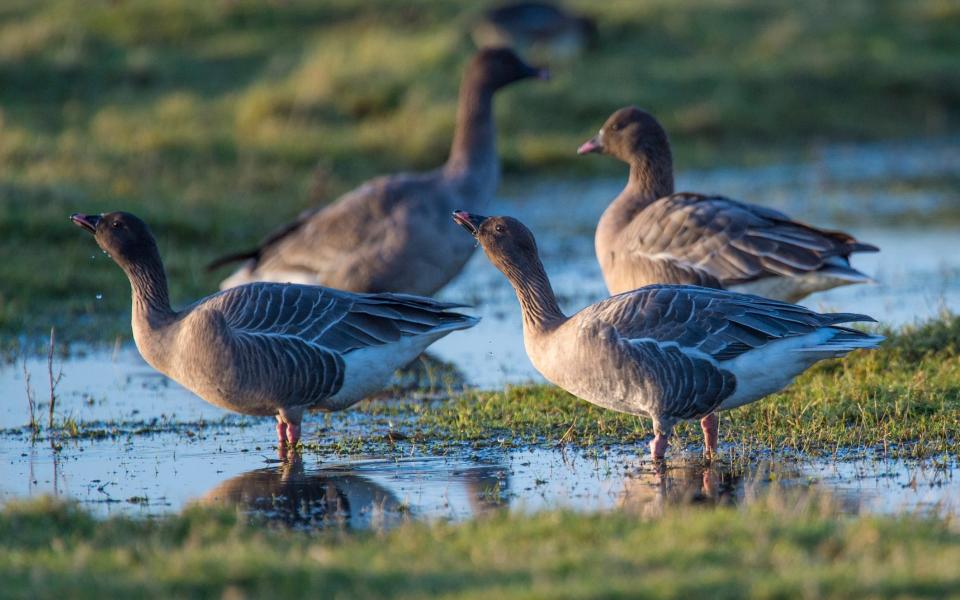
269	349
671	352
540	29
392	234
650	234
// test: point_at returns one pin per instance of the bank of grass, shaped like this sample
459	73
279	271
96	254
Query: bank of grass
218	120
902	400
773	549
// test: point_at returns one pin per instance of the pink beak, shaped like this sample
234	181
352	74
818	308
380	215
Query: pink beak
590	146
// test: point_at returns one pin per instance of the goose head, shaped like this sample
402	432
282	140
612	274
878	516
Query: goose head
122	235
494	68
629	134
507	242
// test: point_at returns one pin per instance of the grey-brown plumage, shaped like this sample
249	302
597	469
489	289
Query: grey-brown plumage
268	348
650	234
392	234
671	352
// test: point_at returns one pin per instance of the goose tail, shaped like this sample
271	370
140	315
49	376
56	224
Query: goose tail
844	341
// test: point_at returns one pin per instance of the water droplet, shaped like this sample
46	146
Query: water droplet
99	296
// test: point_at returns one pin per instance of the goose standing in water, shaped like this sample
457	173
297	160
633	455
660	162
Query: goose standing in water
392	234
649	234
266	348
671	352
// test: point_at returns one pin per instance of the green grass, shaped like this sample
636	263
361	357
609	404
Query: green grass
780	548
903	399
218	120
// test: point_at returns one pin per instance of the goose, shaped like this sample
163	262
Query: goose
670	352
392	234
540	28
649	234
267	348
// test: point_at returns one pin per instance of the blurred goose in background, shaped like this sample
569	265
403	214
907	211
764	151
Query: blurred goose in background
649	234
392	234
269	349
671	352
539	29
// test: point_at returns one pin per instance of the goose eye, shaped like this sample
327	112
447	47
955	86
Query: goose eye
499	228
116	224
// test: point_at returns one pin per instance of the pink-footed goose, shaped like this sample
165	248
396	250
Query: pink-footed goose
268	348
649	234
392	234
671	352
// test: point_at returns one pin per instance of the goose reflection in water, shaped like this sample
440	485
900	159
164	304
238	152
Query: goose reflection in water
330	497
352	497
650	492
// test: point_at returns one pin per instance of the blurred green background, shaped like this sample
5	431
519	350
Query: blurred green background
217	120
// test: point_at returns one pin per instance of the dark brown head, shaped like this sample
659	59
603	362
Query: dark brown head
494	68
506	241
122	235
630	133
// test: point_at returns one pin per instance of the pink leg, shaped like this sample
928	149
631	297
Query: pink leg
711	434
293	433
290	420
281	432
658	446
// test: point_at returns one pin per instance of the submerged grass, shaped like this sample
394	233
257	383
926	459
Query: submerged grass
218	120
902	400
774	549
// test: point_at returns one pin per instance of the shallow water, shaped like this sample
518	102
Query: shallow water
156	448
165	472
159	448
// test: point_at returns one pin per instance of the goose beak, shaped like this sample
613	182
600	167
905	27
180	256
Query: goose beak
88	222
594	144
468	221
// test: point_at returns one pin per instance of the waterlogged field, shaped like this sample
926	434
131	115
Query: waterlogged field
472	426
470	477
470	445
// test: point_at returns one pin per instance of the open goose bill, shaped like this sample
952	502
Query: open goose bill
468	221
88	222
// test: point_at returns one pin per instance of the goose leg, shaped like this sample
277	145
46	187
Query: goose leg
281	432
659	443
711	434
293	433
291	419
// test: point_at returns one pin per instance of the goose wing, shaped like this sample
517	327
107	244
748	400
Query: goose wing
331	319
678	336
346	239
733	241
292	338
715	323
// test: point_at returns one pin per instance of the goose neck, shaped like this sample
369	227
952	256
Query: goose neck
473	152
650	179
151	297
538	303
